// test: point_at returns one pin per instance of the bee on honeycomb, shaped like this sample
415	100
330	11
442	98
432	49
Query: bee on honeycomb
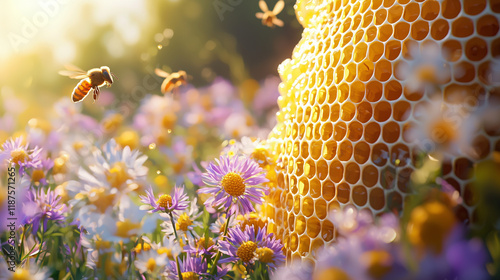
347	107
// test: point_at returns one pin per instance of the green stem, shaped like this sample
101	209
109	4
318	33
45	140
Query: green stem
217	257
177	238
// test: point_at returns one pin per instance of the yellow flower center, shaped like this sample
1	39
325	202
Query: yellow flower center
265	254
37	175
165	201
233	184
430	224
183	222
246	251
60	164
378	263
19	156
204	244
128	138
112	123
151	264
169	120
21	274
99	198
142	247
331	273
190	276
117	175
123	228
166	251
101	244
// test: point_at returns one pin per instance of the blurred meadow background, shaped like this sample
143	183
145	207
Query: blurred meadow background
207	39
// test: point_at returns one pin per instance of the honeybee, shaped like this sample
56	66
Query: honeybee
269	17
91	81
172	81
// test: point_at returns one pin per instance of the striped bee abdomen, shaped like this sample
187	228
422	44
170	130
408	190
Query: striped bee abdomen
81	90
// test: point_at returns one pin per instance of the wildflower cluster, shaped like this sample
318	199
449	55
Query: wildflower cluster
105	198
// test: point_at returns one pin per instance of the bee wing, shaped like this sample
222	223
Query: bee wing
278	7
263	6
278	22
73	72
161	73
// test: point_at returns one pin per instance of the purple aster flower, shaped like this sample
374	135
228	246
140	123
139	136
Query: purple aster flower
235	182
165	202
192	268
248	246
17	153
201	246
43	206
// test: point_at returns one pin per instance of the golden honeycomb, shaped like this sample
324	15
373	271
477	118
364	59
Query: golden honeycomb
344	108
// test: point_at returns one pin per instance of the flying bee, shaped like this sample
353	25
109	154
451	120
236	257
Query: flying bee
91	81
172	81
269	17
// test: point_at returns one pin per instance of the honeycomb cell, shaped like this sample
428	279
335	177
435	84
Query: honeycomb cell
383	70
372	132
345	151
464	72
401	30
392	90
380	16
315	188
357	92
355	131
463	168
412	12
382	111
310	168
462	27
439	29
304	242
322	169
348	111
430	10
452	50
401	111
380	154
450	8
392	49
487	25
385	32
336	171
343	193
395	13
364	112
321	208
326	131
419	30
328	190
474	7
313	227
361	152
303	186
476	49
377	199
359	195
352	173
330	150
376	50
370	176
390	132
327	230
